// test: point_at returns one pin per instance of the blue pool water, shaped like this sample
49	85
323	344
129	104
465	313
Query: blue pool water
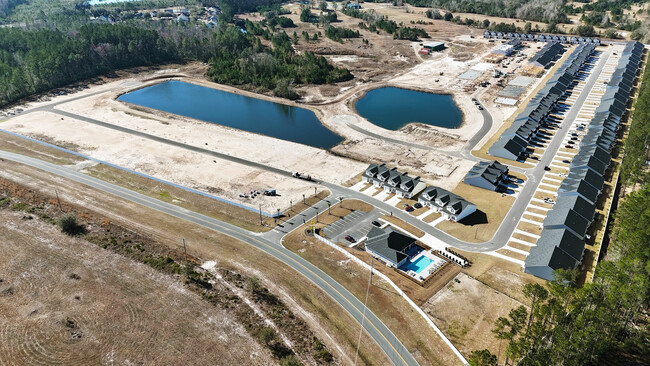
238	111
393	108
417	266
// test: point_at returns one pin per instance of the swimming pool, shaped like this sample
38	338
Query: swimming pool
418	265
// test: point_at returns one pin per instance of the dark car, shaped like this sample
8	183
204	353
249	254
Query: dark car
350	239
417	205
574	138
408	208
568	146
376	223
566	161
547	168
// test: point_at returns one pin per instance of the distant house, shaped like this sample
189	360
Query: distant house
451	206
183	18
434	46
211	24
154	14
392	181
389	246
354	6
488	175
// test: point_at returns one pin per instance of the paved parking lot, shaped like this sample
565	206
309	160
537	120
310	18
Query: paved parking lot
356	224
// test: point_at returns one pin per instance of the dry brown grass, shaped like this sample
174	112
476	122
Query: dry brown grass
404	226
389	306
466	313
333	326
67	301
25	147
432	217
491	204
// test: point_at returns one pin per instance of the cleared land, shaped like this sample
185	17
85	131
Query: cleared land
66	301
469	322
334	327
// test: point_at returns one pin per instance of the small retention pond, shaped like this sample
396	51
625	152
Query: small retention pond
393	108
238	111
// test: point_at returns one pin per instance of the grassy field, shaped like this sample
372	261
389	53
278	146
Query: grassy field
67	301
404	226
334	327
480	226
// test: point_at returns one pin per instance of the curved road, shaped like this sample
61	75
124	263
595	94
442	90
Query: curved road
506	227
377	330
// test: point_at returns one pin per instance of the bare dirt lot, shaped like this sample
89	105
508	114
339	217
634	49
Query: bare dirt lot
466	310
66	301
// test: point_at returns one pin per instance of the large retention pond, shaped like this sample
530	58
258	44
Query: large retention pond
393	108
238	111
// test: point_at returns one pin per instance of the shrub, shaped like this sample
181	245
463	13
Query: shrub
68	224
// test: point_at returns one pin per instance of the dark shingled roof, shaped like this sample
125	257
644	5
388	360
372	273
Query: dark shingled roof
389	243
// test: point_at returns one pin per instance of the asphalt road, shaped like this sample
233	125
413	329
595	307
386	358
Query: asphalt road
377	330
504	231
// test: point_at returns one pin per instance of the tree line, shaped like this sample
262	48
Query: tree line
34	61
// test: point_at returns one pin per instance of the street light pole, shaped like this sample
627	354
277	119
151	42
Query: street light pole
291	205
329	211
340	201
303	198
261	223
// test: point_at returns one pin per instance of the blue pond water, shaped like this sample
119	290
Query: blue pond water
417	266
393	108
233	110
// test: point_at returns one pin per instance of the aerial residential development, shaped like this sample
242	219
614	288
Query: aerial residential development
269	182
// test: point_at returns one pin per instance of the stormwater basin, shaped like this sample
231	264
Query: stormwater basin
393	108
237	111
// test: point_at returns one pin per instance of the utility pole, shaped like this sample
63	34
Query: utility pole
364	312
316	215
314	191
291	205
58	200
185	250
329	206
303	198
340	201
261	223
278	216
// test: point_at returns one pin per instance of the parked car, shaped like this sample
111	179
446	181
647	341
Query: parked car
350	239
376	223
548	200
574	138
568	146
566	161
547	168
480	108
408	208
417	205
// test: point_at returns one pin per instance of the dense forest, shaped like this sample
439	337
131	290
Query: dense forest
539	10
39	59
604	322
7	5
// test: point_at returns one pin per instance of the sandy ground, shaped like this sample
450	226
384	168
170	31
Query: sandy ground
466	312
66	301
385	62
216	176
